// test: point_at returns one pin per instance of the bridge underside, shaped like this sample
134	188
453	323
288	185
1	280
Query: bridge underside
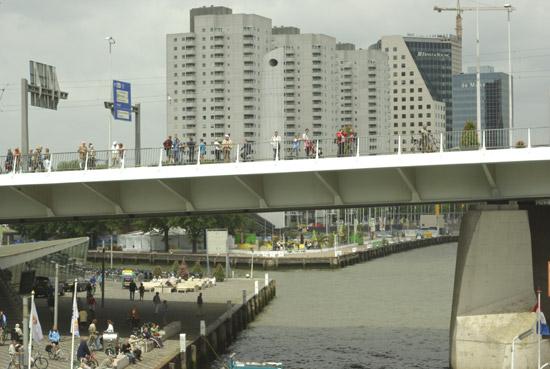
290	185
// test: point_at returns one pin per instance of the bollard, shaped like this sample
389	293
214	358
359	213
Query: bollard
203	328
194	357
256	287
266	279
244	297
183	350
229	305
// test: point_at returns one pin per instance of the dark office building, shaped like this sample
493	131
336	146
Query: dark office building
437	59
494	102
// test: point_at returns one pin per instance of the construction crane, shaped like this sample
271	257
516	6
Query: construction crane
461	9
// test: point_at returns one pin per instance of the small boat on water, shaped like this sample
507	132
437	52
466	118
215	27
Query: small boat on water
233	364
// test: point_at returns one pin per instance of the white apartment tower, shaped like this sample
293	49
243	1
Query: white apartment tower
234	73
213	75
364	95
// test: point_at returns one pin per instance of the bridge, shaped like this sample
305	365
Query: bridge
502	250
157	187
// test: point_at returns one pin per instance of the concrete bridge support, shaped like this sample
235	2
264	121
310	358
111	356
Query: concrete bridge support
495	280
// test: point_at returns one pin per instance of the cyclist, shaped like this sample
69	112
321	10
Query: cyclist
54	337
94	336
15	352
83	354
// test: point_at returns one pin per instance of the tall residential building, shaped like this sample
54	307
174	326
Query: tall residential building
494	99
421	71
364	100
235	74
213	75
309	76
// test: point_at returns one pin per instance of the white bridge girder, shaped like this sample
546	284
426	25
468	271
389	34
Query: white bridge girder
263	186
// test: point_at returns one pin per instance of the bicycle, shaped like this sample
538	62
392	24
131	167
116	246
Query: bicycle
3	335
90	361
37	361
58	354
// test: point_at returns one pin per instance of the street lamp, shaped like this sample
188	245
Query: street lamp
509	10
111	41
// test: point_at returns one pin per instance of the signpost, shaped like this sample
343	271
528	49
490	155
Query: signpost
45	93
121	109
122	96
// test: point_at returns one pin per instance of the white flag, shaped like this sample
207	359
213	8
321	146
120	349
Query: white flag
36	328
74	319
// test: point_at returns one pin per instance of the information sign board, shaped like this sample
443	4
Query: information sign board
122	98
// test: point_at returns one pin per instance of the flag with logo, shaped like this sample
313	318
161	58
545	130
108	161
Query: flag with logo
74	319
36	328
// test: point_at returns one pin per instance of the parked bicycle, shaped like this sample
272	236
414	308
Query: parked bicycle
37	361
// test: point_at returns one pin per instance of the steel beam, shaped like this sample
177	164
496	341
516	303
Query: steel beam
408	175
254	185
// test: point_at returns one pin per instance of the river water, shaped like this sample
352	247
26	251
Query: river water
392	312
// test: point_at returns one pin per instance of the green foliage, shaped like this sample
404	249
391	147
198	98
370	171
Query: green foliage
385	242
520	144
250	238
219	273
197	269
68	165
157	271
469	139
176	267
331	240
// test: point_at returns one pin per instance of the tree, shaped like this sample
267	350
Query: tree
469	136
197	269
175	267
156	224
219	273
194	227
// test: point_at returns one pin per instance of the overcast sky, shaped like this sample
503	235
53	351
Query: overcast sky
70	34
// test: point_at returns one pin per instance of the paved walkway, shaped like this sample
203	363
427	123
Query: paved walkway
181	306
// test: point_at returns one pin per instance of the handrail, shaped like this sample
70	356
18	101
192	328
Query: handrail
314	148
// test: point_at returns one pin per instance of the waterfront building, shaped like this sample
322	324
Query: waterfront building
234	73
213	75
494	102
421	70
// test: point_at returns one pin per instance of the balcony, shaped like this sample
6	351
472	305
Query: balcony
316	85
249	116
248	90
248	45
218	55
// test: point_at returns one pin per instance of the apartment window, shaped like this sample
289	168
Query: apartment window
411	73
395	125
395	99
395	49
428	106
412	116
428	115
411	107
411	98
419	89
419	107
402	57
403	116
403	99
411	82
403	65
402	74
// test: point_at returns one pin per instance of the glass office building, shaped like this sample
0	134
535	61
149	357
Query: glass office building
494	102
436	62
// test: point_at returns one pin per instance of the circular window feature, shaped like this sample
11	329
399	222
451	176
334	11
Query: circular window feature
273	62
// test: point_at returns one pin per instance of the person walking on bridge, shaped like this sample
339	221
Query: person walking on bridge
276	145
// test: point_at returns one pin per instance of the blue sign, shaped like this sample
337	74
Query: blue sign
122	98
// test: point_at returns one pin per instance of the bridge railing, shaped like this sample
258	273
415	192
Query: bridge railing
286	149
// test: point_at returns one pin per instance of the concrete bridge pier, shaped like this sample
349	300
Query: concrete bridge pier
499	265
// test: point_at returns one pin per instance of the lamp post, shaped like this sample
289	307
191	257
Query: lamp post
103	275
111	41
509	10
56	292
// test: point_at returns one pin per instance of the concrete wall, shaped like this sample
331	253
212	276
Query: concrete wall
493	287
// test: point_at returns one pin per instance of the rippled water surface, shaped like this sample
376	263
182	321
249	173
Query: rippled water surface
388	313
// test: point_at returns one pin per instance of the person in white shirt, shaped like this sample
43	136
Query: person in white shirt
110	327
276	145
307	142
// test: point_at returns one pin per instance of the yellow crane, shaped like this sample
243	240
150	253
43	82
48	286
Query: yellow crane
461	9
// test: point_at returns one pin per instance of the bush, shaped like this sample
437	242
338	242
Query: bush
520	144
197	270
469	138
175	267
68	165
219	273
157	271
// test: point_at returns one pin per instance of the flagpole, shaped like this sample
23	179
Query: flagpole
30	330
538	326
72	325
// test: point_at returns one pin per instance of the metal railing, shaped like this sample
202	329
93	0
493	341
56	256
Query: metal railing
314	148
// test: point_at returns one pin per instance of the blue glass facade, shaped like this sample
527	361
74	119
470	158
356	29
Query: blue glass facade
494	100
434	59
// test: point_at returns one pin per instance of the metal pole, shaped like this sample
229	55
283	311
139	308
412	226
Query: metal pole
110	143
137	145
29	331
25	326
73	323
56	298
539	333
103	276
512	364
252	263
478	71
510	99
24	120
111	252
